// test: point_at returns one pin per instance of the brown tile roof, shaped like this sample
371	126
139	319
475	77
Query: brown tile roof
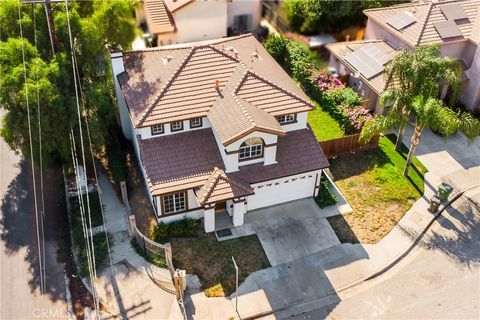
174	5
341	49
186	161
220	187
179	161
232	118
159	19
173	83
297	152
426	15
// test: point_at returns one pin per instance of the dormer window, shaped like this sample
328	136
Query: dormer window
157	129
287	118
176	126
251	148
195	123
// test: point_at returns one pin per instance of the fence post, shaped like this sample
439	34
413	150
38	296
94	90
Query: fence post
144	246
133	224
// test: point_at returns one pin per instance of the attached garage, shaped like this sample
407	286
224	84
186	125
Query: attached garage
283	190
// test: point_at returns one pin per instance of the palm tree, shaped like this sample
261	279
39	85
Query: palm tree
422	72
428	113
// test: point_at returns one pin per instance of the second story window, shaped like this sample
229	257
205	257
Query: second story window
287	118
176	126
157	129
250	149
195	123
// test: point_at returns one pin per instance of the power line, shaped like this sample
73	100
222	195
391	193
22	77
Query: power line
92	252
42	289
42	216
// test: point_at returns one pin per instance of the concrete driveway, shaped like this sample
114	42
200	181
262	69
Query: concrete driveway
293	230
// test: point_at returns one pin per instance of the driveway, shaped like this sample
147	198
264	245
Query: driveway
293	230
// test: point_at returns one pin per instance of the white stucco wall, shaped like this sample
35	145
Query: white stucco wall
116	60
241	7
146	132
201	20
278	191
471	92
269	153
300	124
197	214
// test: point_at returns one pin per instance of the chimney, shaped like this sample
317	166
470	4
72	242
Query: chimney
347	37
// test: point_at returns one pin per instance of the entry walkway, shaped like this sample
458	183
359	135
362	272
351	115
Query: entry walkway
130	292
313	281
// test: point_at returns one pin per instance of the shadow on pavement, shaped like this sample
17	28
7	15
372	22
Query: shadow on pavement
18	227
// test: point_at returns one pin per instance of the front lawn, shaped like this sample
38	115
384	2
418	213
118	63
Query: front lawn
323	125
212	262
375	187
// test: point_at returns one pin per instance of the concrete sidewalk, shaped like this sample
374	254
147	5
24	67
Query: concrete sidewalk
130	292
315	280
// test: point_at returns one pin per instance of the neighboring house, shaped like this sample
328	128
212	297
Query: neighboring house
216	125
453	25
181	21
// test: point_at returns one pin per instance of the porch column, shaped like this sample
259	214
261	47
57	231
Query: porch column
209	219
238	212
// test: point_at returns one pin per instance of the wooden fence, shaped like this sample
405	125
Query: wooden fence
347	145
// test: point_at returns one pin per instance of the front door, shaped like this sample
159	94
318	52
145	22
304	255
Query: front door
220	206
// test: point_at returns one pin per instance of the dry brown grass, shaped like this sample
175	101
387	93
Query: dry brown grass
212	262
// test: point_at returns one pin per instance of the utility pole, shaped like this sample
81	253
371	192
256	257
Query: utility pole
51	26
50	22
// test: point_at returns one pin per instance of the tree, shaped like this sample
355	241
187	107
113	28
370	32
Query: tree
421	72
314	16
277	47
428	113
96	26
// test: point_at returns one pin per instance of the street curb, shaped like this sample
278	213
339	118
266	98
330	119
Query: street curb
383	269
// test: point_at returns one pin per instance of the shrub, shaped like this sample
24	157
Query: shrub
345	96
325	82
357	116
182	228
325	197
116	159
277	47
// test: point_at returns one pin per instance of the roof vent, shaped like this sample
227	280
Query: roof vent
167	59
217	85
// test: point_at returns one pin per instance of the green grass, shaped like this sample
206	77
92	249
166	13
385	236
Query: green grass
323	125
374	185
212	262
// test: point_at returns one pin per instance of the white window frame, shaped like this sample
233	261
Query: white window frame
286	118
178	202
155	130
196	125
173	126
251	148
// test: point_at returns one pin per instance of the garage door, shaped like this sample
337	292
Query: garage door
279	191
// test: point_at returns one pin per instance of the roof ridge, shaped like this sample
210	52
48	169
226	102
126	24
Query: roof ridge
165	87
425	21
400	5
245	112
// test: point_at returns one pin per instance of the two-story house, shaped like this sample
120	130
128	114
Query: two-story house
180	21
216	126
453	25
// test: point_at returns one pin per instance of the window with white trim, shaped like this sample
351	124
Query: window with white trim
157	129
195	123
251	148
176	126
174	203
287	118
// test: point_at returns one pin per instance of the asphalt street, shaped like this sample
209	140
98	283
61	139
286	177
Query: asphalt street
20	296
438	280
